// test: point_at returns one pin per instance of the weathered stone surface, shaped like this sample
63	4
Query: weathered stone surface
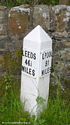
3	35
3	29
18	21
62	19
3	41
3	21
65	2
61	43
41	16
13	44
61	59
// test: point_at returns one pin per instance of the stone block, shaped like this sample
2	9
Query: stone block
18	21
61	58
3	29
64	2
41	16
3	21
62	19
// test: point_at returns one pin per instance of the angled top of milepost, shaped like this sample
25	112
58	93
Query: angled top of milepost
38	35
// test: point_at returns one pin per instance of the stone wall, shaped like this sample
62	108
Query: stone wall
18	21
3	33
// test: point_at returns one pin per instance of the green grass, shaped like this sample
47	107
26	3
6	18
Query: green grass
11	109
10	3
56	113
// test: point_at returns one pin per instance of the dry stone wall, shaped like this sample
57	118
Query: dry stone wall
3	33
18	21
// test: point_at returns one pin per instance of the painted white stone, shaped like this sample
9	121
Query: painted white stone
36	68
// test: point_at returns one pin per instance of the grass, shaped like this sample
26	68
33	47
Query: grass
11	109
56	114
11	3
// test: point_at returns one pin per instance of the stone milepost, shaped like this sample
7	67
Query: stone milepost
36	68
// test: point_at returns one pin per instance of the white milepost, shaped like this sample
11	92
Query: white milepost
36	68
